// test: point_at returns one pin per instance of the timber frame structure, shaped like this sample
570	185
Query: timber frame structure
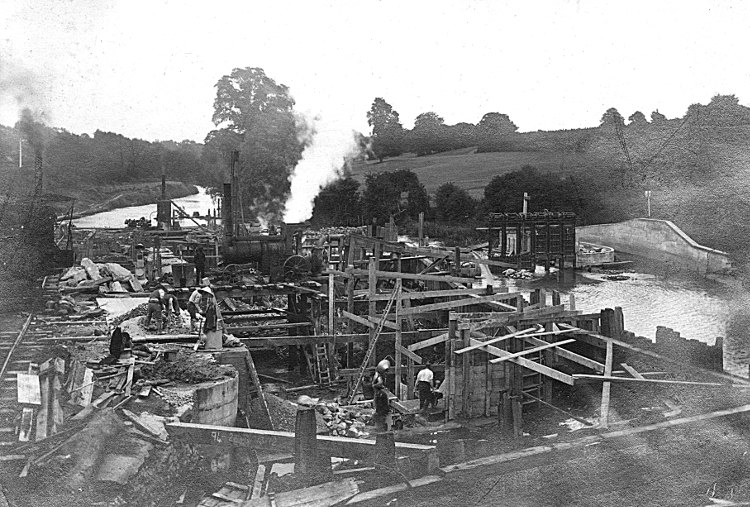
525	239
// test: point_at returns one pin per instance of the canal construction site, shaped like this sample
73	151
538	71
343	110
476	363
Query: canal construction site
258	383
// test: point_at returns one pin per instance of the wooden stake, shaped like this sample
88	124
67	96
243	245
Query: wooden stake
604	421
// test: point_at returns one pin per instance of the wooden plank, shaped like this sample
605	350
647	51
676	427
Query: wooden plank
627	380
391	490
27	389
42	413
87	387
531	351
260	475
632	371
27	420
495	340
372	323
18	340
429	294
329	493
570	356
625	345
531	365
57	412
398	347
606	386
445	305
283	441
428	342
408	353
412	276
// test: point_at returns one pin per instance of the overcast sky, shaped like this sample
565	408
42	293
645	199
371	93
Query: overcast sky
148	69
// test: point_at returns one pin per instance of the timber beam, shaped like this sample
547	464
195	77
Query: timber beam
283	441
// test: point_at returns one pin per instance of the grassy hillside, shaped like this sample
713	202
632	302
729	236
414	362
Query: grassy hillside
470	170
712	208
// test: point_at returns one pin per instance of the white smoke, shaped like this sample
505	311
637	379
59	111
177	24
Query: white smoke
322	162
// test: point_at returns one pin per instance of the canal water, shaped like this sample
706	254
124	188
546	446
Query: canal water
650	296
200	202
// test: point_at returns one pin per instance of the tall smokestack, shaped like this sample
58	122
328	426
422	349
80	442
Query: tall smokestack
38	171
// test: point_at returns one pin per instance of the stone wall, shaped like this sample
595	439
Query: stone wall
659	240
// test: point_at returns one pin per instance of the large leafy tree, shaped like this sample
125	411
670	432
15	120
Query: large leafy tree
453	203
428	135
398	194
493	130
256	116
387	131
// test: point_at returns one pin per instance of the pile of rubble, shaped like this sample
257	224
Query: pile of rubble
343	421
521	274
107	277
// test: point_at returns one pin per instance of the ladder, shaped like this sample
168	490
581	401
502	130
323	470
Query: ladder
371	348
322	365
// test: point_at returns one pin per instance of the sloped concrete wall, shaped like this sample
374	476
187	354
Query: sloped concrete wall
658	240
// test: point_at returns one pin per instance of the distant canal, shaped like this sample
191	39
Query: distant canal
200	202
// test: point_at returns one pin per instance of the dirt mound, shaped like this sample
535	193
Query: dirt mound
189	368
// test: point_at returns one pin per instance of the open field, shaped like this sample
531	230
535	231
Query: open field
471	170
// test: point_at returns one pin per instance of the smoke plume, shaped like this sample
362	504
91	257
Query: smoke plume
322	162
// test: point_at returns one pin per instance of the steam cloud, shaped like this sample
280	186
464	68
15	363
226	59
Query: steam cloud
322	162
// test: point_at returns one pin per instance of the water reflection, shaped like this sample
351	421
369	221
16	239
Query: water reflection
657	295
200	202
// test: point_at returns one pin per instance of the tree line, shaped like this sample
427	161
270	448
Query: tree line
401	196
637	142
104	158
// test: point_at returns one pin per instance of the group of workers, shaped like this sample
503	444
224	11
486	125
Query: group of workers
164	309
424	386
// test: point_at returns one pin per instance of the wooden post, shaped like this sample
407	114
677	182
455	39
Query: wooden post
604	420
450	364
458	261
310	464
331	306
350	308
488	383
385	443
421	228
572	302
517	416
372	280
466	367
398	339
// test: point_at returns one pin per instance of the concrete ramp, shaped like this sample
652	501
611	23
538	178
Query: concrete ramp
659	240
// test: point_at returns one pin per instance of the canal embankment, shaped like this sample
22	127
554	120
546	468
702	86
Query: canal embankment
659	240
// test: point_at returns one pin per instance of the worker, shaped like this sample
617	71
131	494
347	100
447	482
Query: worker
194	308
382	408
156	302
423	386
378	378
172	307
199	259
212	314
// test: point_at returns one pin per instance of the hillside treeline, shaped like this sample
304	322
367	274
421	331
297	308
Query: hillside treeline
645	145
401	196
72	161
